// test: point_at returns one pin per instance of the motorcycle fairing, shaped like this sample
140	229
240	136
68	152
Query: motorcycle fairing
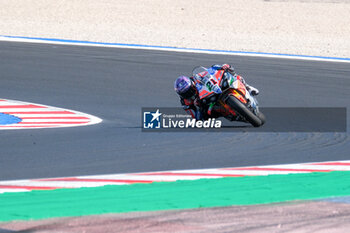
207	84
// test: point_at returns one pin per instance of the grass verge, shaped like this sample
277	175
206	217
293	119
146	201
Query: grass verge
247	190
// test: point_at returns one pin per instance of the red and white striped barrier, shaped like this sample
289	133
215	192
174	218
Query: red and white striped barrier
168	176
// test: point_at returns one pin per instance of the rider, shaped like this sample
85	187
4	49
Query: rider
189	97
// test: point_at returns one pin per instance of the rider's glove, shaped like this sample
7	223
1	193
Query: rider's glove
228	68
225	67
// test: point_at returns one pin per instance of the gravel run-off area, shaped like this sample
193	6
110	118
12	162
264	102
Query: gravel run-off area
305	27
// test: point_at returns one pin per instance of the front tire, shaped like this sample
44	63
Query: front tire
242	110
262	117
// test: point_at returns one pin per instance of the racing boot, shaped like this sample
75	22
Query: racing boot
252	90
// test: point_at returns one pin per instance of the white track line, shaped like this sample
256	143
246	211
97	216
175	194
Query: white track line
170	49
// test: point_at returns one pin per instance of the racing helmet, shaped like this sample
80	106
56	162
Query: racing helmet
184	87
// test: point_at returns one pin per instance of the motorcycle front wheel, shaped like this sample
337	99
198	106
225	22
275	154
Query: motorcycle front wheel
262	117
242	110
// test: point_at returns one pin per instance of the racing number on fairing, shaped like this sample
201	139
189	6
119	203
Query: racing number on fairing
210	84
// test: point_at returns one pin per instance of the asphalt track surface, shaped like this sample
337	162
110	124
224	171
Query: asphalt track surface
114	83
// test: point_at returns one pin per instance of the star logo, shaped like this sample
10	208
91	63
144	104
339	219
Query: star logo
156	115
151	120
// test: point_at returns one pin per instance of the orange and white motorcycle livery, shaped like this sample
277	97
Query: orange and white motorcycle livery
220	90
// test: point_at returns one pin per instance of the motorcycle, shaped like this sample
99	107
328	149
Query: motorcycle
219	89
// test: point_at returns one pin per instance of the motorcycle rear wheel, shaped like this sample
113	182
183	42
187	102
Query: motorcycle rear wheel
242	110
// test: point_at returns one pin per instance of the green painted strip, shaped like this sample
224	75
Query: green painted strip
172	195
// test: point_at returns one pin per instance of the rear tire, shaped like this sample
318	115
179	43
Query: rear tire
242	110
